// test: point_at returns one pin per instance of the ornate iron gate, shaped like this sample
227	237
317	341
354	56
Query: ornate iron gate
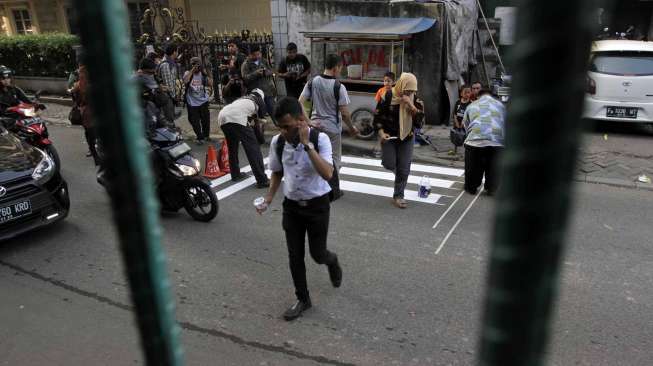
163	26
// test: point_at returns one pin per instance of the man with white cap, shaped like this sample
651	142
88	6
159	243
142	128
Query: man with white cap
234	120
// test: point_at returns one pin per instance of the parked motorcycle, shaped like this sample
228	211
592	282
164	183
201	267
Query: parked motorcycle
24	121
177	176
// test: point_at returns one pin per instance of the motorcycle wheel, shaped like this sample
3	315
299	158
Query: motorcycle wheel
50	150
363	119
200	202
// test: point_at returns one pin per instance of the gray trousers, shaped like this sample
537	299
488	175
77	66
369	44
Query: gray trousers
396	156
336	146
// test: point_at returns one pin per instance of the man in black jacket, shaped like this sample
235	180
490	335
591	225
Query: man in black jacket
10	95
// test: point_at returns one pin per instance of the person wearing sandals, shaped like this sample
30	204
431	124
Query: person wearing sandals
396	130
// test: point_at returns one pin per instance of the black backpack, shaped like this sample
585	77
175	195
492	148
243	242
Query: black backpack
336	94
313	137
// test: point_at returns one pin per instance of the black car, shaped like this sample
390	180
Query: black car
32	192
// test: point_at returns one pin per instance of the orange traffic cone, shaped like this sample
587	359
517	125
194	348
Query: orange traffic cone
212	167
224	157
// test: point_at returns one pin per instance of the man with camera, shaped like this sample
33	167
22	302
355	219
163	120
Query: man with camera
257	74
196	96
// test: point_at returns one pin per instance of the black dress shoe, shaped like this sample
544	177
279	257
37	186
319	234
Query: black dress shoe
335	273
265	184
296	310
238	178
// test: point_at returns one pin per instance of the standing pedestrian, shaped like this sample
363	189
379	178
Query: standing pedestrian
168	74
257	74
458	114
81	92
396	131
330	100
388	83
306	167
234	121
294	69
476	90
484	123
232	78
197	99
146	76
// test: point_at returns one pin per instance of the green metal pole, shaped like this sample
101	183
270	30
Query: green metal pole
542	140
114	98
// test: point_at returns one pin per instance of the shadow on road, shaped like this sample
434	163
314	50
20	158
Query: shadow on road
619	128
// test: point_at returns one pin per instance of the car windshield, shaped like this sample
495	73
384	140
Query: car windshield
623	63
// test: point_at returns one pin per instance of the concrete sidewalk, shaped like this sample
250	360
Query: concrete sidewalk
618	158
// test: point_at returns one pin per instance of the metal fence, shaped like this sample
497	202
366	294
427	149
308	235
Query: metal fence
164	26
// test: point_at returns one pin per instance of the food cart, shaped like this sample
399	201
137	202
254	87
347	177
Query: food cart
370	47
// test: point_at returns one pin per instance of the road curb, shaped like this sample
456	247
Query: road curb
614	182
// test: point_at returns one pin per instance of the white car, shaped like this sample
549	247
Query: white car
620	82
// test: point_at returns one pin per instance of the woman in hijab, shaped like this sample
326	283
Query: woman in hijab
395	128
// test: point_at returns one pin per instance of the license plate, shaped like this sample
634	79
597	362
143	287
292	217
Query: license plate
621	112
15	210
179	150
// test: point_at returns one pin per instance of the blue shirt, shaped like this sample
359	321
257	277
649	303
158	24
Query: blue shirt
301	180
484	122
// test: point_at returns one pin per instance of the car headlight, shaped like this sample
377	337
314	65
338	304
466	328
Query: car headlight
187	170
45	169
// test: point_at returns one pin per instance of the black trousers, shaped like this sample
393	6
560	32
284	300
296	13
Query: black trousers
481	161
200	118
299	221
396	156
91	137
235	134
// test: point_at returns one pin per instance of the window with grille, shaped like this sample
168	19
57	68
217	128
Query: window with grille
23	21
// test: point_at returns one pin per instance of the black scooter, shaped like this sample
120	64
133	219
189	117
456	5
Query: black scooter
177	176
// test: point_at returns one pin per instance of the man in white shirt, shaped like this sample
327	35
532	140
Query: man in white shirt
233	120
306	169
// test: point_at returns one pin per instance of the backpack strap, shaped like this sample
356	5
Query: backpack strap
314	138
336	94
281	142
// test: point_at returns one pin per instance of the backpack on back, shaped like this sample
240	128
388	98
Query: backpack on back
336	94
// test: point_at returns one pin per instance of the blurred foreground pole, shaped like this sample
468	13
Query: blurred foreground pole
116	108
542	138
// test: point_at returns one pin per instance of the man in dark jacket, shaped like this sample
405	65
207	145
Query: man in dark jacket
257	74
10	95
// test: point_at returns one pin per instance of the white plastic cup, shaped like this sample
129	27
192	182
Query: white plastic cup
260	204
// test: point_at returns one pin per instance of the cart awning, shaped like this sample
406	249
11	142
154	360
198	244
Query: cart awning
371	28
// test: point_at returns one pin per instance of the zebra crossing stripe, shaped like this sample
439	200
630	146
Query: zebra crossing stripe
233	189
413	167
387	192
227	178
412	179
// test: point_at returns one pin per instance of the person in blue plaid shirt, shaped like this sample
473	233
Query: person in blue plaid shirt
168	72
484	122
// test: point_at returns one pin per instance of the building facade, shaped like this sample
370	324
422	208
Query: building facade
43	16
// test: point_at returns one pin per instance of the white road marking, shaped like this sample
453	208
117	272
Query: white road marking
448	209
413	167
222	194
387	192
446	238
365	173
227	178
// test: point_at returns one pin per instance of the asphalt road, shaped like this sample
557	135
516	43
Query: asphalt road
65	300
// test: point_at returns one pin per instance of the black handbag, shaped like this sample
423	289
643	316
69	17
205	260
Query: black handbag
457	136
75	116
